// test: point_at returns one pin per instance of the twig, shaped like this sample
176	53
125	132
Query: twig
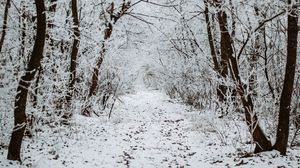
115	98
255	30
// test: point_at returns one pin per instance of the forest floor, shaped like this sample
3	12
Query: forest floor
147	129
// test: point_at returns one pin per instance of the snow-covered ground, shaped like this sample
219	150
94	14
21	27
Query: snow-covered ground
146	129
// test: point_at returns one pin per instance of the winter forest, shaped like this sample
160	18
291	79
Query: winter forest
149	83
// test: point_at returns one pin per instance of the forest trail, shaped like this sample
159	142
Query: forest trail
153	133
147	130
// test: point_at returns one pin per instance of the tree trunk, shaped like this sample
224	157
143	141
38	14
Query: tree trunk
210	37
23	30
260	139
287	91
38	77
262	143
226	48
74	51
50	25
94	82
4	24
24	83
221	89
114	17
226	52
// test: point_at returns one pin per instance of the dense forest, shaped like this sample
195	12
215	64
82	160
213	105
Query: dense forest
149	83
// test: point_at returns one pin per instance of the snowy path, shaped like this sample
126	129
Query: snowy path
153	134
147	130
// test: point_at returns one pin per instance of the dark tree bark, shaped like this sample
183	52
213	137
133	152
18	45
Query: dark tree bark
23	30
4	26
24	83
74	51
226	48
220	67
35	101
210	37
262	143
50	25
226	51
287	91
94	82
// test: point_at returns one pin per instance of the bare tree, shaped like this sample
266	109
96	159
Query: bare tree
219	67
50	25
287	91
262	143
74	51
24	83
109	22
114	17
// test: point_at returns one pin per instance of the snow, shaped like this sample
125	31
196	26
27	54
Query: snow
147	129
